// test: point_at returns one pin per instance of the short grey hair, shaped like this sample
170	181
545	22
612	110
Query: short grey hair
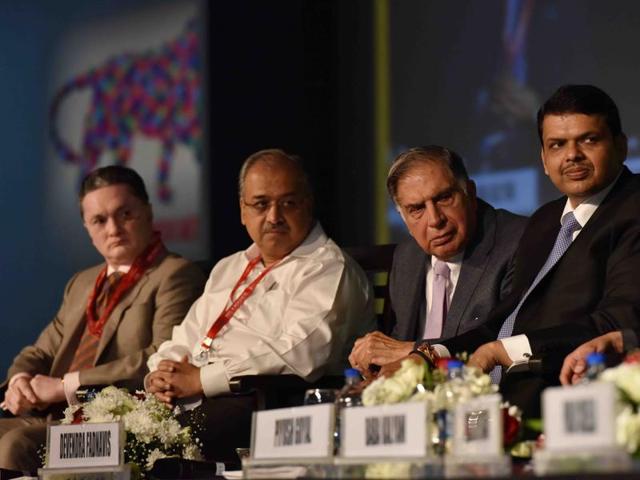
279	156
407	160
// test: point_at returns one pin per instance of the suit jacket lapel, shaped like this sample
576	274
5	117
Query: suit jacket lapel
111	326
414	276
74	327
473	266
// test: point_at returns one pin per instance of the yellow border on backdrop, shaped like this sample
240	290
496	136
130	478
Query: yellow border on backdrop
382	117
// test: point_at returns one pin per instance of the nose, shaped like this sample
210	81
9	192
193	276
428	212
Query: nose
274	213
435	218
574	153
113	226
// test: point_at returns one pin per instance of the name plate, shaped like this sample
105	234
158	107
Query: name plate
384	431
579	417
85	445
478	427
300	432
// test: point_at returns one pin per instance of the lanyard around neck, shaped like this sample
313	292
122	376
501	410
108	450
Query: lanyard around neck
229	311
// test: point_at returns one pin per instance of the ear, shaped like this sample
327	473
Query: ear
242	213
544	161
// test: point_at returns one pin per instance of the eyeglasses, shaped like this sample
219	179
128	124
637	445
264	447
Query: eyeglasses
285	205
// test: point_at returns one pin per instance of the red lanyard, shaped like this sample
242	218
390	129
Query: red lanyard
228	312
139	266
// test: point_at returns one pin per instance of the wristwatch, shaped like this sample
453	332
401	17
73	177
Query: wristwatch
427	352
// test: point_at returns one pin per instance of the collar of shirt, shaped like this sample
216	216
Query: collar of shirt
455	265
586	209
121	268
310	244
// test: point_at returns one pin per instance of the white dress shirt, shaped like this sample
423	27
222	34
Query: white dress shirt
302	318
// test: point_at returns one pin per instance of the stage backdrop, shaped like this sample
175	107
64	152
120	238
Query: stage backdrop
471	75
128	89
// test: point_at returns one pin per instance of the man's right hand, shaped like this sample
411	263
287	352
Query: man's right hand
20	397
377	349
575	364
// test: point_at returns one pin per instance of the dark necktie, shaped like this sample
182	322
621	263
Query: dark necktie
87	348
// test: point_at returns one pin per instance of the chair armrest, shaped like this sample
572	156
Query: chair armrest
273	391
247	383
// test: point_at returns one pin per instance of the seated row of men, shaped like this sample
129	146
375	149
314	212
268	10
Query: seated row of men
471	278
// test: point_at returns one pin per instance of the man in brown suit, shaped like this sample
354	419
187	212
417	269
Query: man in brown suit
112	317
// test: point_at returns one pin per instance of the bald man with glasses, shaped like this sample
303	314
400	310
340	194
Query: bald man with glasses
292	303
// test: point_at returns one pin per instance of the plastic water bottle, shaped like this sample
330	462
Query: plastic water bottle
447	395
350	395
595	366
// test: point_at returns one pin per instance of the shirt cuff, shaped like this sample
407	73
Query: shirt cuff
71	383
214	379
17	376
146	381
518	348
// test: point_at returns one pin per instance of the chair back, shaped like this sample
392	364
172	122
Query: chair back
376	262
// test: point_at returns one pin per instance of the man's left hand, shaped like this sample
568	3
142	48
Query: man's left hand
181	378
490	355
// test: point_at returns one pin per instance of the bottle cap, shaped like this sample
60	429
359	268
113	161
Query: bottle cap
451	364
595	358
351	372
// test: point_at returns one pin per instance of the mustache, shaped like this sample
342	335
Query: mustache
275	228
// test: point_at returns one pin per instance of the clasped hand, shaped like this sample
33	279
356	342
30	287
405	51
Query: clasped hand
174	380
28	393
376	348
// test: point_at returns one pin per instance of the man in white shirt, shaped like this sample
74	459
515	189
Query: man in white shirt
454	269
576	266
290	303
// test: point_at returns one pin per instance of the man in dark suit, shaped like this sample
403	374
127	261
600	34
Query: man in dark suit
112	318
576	265
451	230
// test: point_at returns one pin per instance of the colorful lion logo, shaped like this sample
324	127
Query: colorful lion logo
156	93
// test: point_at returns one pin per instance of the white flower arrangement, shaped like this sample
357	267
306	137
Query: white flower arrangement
408	384
626	377
152	430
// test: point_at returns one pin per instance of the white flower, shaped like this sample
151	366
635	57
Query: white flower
154	455
397	388
628	430
626	377
192	452
69	414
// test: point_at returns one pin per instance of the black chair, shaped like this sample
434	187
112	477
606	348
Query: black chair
280	391
376	262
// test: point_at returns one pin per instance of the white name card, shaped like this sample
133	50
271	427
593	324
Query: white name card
478	427
384	431
85	445
579	417
300	432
